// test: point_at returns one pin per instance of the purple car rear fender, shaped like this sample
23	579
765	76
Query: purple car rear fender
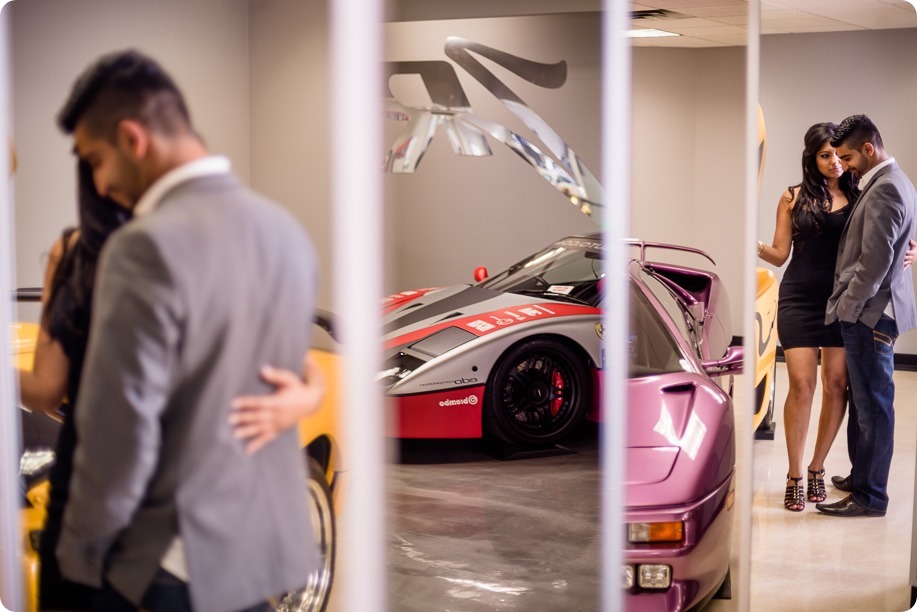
699	563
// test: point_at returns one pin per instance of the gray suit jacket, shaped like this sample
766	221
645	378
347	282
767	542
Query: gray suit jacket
870	270
191	300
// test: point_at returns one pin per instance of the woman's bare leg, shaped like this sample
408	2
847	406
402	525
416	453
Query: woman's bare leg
801	366
833	403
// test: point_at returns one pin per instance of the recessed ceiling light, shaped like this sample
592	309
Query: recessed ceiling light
649	33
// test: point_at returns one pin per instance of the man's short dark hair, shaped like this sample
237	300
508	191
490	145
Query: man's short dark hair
855	131
124	85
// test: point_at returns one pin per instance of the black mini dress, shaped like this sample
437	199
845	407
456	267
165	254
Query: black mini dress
68	324
808	283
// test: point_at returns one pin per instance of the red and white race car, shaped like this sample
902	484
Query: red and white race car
517	355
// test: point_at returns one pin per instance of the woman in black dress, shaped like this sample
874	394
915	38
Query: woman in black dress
810	219
52	385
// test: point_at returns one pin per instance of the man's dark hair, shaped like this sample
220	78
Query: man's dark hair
124	85
855	131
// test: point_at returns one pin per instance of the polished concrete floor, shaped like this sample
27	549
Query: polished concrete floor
473	532
808	561
470	531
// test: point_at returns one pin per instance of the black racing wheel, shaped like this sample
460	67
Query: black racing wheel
538	393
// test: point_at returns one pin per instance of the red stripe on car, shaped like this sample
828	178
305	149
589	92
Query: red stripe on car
495	320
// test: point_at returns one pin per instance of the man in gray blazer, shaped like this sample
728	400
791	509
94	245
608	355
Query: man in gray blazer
210	281
874	300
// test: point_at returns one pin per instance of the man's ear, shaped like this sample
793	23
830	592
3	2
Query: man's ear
133	138
869	149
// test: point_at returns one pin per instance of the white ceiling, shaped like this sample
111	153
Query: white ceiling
712	23
701	23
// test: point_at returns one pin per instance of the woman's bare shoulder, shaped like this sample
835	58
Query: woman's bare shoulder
788	199
58	248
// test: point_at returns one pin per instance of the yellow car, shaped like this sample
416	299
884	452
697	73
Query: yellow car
765	344
765	323
321	442
32	516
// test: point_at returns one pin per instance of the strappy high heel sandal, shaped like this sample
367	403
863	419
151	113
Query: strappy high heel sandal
794	500
815	489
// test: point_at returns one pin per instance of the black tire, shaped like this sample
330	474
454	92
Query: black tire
314	598
766	427
769	419
537	394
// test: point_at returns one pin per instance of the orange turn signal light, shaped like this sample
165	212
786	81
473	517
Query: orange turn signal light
673	531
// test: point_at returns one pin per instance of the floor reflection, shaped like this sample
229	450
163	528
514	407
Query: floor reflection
469	531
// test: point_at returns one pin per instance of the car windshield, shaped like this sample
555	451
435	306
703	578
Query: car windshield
568	270
571	269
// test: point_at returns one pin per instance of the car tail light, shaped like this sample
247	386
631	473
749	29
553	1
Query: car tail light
673	531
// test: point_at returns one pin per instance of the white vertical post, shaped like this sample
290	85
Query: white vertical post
745	420
10	540
356	162
913	581
616	151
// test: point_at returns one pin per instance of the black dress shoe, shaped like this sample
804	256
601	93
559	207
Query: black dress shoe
847	507
842	483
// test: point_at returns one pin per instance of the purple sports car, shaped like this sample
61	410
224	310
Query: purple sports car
516	358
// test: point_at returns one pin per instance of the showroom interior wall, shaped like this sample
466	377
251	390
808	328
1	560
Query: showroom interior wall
290	117
456	213
203	43
809	78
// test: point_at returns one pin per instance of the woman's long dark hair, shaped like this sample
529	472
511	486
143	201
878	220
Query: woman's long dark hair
69	306
814	199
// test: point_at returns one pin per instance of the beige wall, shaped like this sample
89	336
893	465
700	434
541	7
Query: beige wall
290	109
456	213
204	44
688	126
255	73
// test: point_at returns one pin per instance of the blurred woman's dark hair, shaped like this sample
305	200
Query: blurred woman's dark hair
68	310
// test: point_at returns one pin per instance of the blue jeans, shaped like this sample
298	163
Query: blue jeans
871	422
165	594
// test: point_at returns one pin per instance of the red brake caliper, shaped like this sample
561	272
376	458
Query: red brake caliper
557	384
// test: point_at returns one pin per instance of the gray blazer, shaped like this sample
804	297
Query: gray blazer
191	300
870	270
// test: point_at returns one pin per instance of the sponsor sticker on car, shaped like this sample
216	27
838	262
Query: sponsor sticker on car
488	323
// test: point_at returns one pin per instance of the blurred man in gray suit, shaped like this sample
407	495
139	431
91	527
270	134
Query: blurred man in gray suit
874	300
210	281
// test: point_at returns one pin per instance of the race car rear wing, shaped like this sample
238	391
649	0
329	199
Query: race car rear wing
643	246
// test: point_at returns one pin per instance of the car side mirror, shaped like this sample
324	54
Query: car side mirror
731	363
480	273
